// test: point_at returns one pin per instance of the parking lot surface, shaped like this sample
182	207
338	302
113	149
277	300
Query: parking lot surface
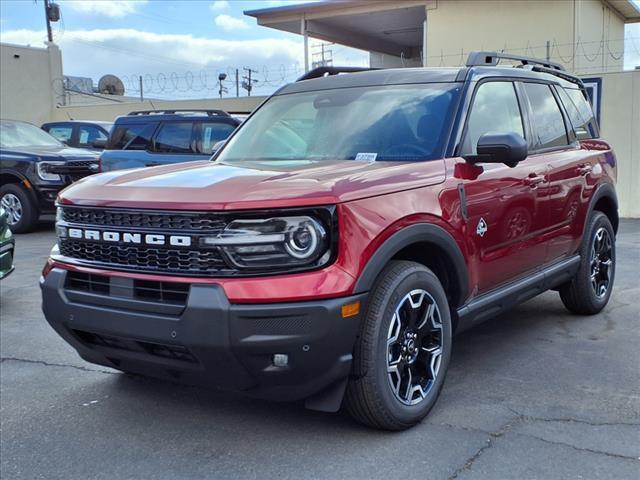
535	393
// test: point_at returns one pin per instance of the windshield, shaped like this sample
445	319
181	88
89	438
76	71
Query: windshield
18	134
382	123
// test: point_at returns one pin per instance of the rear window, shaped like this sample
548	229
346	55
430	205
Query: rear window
548	122
580	113
131	137
175	137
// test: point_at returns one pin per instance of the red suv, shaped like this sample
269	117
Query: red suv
343	233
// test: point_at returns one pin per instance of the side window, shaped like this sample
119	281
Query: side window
62	133
87	134
548	123
495	109
131	137
212	133
580	113
174	137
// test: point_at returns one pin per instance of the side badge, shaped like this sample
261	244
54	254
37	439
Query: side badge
482	228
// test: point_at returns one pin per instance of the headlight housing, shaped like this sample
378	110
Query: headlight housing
42	168
274	242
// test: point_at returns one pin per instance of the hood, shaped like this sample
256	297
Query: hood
52	153
206	185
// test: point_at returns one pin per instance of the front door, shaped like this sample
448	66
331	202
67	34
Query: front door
505	215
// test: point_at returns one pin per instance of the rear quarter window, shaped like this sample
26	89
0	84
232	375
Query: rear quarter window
131	137
580	113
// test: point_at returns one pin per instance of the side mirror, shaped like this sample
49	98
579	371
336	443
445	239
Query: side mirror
99	143
508	148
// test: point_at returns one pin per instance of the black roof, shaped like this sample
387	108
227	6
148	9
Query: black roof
401	76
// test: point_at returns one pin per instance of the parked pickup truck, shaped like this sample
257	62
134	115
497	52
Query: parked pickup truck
158	137
342	235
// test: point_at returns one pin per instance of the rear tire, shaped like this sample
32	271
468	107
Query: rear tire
403	349
21	210
588	292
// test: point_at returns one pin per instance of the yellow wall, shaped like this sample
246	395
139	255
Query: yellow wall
524	27
30	82
620	125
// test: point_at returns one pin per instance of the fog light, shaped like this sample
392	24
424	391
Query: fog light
280	360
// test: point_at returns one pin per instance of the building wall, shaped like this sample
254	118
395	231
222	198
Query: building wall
30	82
620	125
456	27
108	112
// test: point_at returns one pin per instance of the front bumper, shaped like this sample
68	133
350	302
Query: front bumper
207	340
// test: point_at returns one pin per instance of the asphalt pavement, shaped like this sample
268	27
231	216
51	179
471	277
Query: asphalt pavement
536	393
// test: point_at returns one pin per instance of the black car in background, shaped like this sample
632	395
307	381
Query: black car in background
80	133
34	167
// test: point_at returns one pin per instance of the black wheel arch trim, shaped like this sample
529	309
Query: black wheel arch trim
416	233
604	190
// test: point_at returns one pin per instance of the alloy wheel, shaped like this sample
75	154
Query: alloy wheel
414	347
13	207
601	262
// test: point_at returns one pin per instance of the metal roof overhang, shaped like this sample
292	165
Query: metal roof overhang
627	9
391	27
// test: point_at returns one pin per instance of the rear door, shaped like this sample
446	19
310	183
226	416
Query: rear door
505	218
555	144
129	146
175	142
210	133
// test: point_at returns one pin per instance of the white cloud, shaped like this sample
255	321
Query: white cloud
105	8
219	5
129	53
227	22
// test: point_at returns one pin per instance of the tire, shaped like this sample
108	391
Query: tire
375	397
580	295
20	207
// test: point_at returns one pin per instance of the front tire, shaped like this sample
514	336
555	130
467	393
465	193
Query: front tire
22	214
403	349
588	292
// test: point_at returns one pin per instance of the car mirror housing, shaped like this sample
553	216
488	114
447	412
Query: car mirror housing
100	143
508	148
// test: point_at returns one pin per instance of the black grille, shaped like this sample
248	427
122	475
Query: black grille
165	260
210	222
160	292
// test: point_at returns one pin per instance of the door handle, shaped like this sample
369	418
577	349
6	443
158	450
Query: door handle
585	169
534	180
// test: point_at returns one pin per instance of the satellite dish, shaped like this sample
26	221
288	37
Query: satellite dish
111	85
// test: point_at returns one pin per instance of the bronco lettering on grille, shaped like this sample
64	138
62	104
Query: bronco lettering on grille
135	238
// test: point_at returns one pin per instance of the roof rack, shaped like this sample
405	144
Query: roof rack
210	113
561	74
327	71
490	59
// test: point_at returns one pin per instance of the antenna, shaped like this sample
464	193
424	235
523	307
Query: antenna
111	85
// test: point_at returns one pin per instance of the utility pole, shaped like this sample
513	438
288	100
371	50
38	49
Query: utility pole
248	82
237	84
141	92
47	18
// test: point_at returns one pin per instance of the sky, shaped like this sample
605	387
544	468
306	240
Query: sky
178	47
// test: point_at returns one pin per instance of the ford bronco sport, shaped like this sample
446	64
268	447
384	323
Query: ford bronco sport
342	234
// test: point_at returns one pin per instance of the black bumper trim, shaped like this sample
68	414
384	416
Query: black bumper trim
232	344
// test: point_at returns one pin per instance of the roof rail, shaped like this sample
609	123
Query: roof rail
490	59
210	113
561	74
327	71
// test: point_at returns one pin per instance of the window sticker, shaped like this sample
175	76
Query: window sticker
366	157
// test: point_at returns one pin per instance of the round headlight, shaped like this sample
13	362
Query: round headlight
302	242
